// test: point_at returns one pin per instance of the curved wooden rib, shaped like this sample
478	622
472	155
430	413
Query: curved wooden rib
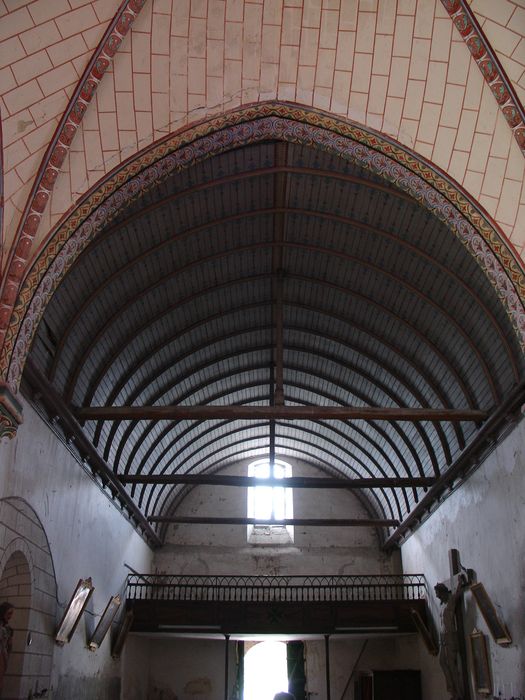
126	376
284	210
315	249
109	412
330	458
164	494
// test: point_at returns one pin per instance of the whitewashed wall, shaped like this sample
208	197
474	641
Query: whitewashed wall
379	654
185	669
485	520
86	536
177	669
201	549
224	550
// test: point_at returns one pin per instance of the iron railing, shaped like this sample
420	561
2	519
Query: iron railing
284	589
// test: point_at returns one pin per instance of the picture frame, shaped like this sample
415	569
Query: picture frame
480	663
425	632
73	612
104	623
497	628
122	635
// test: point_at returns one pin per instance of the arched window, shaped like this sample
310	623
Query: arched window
267	503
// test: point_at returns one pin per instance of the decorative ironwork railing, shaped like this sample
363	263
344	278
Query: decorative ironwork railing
283	589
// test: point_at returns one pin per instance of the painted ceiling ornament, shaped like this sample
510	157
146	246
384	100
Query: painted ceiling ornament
451	6
492	70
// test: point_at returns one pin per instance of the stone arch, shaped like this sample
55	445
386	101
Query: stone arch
380	154
16	588
27	579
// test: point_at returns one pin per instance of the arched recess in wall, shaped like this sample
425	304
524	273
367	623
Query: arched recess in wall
27	579
16	588
382	156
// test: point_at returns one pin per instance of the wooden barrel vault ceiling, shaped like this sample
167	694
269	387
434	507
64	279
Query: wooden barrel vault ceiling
266	288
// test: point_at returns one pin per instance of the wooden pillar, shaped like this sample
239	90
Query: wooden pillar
327	665
226	664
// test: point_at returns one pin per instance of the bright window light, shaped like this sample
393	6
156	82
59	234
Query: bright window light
270	503
265	671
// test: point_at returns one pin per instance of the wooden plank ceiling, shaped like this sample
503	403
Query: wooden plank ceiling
277	299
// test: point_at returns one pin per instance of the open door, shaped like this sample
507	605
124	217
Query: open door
296	669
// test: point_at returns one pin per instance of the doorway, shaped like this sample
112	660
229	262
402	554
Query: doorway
265	670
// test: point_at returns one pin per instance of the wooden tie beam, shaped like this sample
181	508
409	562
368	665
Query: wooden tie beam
121	413
56	405
293	482
317	522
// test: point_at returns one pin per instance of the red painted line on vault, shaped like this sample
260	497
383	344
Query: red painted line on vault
56	153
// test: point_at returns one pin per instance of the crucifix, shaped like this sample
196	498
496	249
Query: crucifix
452	647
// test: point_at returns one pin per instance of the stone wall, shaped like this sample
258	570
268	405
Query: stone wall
55	520
58	518
193	669
485	520
203	549
27	581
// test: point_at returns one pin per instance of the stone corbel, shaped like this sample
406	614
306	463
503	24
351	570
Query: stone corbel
10	412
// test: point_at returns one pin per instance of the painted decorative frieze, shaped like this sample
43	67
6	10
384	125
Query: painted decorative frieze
490	67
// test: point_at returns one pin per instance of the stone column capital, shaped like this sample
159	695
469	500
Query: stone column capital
10	412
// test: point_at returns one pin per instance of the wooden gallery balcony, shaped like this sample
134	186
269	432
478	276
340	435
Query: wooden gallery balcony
289	605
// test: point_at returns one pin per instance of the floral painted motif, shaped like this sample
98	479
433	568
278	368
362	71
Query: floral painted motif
488	69
500	92
451	6
88	90
512	115
476	47
463	24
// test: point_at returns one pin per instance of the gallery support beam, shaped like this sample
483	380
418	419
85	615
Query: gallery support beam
212	412
56	406
500	419
293	482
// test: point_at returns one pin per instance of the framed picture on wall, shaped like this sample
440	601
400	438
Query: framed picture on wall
497	628
480	663
426	633
118	645
73	611
104	623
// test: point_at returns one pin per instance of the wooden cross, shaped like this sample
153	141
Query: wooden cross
458	571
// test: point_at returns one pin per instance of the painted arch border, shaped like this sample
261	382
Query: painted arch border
240	127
